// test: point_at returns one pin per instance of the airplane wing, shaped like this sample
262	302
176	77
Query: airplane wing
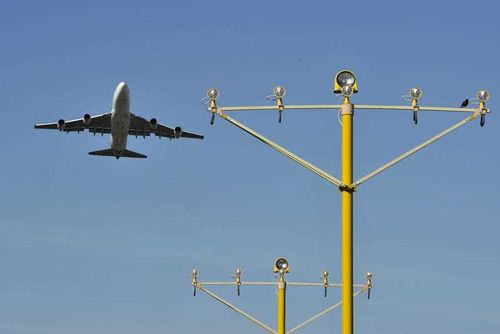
142	127
95	124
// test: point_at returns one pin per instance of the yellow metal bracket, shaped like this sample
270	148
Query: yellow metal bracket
475	112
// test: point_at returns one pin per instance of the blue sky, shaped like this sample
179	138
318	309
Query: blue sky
95	245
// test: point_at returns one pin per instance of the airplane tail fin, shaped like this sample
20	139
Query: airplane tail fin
125	153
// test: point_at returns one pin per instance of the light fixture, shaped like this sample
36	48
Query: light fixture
326	282
345	78
213	94
347	90
369	283
237	276
281	265
279	91
483	95
194	280
416	93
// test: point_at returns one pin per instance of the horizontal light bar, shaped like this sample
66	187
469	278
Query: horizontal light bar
338	106
333	285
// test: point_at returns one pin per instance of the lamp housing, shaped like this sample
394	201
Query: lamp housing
281	265
345	78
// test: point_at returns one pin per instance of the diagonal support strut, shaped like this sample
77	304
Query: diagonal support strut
415	149
284	151
236	309
322	313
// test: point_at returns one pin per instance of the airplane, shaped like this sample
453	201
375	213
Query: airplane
119	123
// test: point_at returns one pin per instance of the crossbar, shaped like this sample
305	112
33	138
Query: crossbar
242	283
356	106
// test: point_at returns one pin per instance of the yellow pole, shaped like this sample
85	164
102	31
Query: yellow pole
347	199
281	305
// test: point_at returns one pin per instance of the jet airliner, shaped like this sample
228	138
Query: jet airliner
119	123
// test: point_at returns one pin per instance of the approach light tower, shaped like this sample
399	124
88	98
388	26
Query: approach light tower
281	269
346	84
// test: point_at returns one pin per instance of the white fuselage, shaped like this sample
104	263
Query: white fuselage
120	119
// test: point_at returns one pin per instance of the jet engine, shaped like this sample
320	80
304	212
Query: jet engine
86	120
60	124
153	123
177	132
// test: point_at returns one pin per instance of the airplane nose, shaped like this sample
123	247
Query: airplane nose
121	95
121	90
123	87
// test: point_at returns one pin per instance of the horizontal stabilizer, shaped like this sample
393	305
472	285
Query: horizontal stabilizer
112	153
107	153
131	154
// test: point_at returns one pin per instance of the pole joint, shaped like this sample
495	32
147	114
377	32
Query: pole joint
348	188
213	110
416	108
347	108
281	107
483	112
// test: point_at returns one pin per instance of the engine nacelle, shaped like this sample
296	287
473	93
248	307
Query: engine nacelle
177	132
60	124
86	120
153	123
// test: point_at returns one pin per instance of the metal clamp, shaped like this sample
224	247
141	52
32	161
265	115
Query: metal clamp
416	108
213	107
237	277
483	113
281	107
